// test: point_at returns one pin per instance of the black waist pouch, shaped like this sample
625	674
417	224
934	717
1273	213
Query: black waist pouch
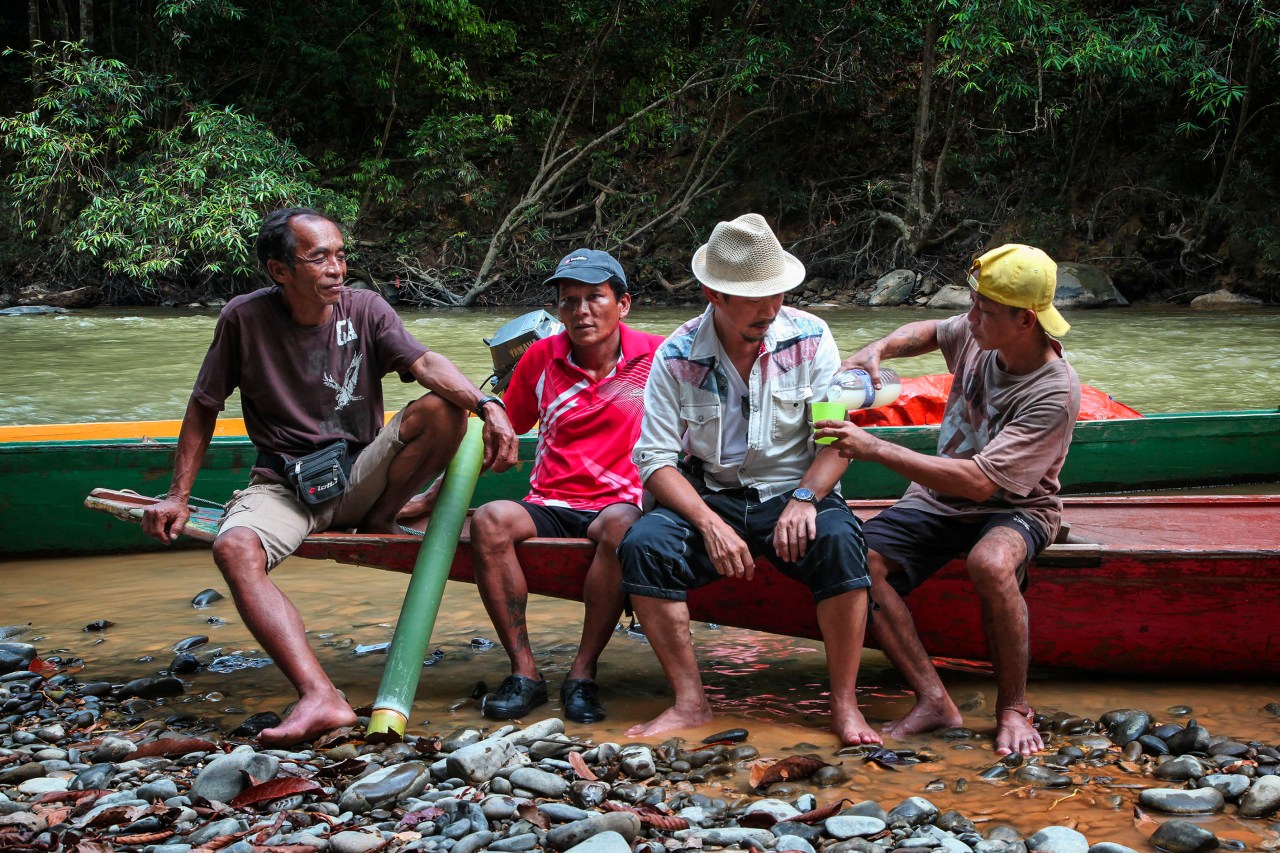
320	476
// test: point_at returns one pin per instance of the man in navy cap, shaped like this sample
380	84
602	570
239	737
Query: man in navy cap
585	387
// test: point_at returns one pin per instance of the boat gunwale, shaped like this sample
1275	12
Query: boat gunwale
129	432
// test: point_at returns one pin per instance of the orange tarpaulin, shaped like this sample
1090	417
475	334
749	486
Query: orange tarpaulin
924	397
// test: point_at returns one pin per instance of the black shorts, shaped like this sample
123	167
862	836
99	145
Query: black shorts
559	522
920	542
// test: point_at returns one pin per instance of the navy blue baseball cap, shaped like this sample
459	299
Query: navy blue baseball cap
589	266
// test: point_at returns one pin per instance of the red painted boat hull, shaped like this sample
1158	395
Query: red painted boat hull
1162	587
1172	587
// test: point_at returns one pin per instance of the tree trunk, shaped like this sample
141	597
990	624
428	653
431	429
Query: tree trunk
1251	67
86	22
917	219
33	36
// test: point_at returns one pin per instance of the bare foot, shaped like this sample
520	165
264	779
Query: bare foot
418	510
1014	732
672	718
852	728
926	716
312	716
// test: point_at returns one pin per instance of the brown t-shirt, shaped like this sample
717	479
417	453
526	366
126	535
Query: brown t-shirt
301	387
1015	428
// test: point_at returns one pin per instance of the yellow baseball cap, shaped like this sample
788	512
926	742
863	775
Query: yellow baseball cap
1020	277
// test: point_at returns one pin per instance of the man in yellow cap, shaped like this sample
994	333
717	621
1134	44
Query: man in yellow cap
992	489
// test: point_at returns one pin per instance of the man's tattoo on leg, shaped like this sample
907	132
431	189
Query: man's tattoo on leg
519	627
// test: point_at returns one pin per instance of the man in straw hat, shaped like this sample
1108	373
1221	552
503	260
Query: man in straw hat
731	389
992	489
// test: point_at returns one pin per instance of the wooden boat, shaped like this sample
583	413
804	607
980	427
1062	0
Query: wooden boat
1168	587
43	467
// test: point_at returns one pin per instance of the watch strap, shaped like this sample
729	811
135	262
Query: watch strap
484	401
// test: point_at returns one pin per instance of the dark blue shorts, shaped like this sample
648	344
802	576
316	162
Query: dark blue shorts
663	556
922	542
559	522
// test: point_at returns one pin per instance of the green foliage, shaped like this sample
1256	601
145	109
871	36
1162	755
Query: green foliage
98	173
496	132
88	116
193	202
178	17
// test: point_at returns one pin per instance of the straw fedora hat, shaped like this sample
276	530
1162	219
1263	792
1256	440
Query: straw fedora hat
744	258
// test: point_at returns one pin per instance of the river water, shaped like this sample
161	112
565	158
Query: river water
139	365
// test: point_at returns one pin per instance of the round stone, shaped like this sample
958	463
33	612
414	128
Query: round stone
1179	801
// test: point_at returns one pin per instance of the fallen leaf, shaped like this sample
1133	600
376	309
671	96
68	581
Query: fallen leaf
791	767
53	815
116	814
215	844
1145	825
412	819
821	813
757	820
270	829
172	747
23	821
346	767
886	758
143	838
340	734
42	667
529	812
579	765
648	816
92	845
272	789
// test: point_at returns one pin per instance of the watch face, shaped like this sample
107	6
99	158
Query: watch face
803	494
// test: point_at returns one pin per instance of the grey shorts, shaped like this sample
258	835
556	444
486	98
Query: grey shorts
280	518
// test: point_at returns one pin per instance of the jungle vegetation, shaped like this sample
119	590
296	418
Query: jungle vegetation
468	144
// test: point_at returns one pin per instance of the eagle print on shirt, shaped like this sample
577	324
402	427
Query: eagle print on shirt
346	391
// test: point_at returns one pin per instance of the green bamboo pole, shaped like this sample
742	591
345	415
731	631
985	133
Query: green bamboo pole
426	587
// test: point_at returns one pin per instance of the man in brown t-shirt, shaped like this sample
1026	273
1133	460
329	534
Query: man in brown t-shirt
308	356
992	490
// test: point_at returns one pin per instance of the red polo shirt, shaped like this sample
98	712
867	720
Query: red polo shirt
588	429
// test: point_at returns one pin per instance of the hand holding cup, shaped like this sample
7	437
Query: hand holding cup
827	411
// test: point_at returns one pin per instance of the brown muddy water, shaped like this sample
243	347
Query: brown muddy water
135	365
773	686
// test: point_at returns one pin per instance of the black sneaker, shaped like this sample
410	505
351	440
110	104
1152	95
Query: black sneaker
580	700
516	697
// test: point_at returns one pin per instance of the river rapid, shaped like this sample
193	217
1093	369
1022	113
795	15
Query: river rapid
139	365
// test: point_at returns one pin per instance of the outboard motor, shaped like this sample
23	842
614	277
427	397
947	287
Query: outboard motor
513	339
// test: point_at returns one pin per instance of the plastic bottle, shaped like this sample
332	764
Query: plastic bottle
854	390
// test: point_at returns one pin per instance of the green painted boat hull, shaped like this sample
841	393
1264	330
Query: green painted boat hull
43	484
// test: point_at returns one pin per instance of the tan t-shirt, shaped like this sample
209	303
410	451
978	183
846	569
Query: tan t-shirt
1015	428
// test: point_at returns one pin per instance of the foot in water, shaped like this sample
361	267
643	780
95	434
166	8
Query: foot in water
671	719
1015	733
312	716
926	716
852	728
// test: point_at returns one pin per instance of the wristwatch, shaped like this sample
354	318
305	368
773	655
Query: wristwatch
484	401
806	495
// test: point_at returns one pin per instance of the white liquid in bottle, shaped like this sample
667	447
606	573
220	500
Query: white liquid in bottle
854	390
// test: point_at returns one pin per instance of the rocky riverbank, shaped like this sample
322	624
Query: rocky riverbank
95	765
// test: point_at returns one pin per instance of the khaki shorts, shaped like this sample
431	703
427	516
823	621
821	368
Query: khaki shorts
282	520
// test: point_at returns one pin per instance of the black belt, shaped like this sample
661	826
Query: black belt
278	462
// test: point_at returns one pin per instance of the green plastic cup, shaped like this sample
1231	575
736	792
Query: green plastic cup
828	412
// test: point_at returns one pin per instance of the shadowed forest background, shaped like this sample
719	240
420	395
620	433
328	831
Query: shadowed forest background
467	145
